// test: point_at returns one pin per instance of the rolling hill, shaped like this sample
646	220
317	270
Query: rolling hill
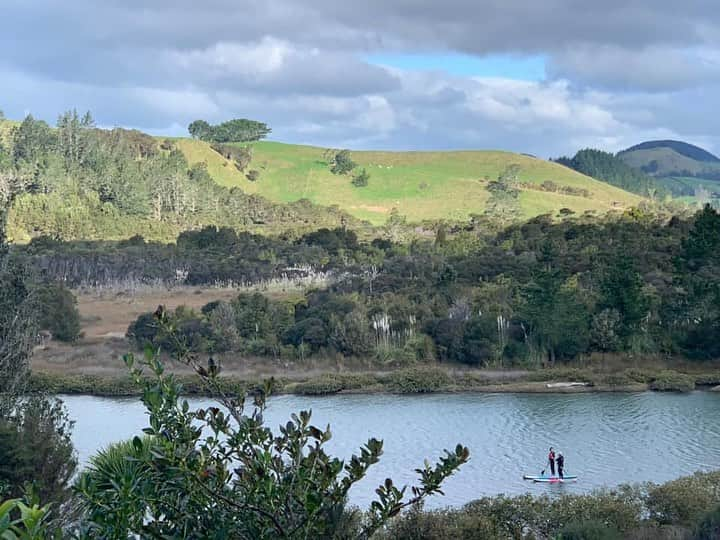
421	185
672	158
688	171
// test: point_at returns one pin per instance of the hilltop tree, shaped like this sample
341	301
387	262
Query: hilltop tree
236	130
32	142
200	129
72	137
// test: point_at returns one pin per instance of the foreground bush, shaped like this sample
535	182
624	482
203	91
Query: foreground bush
36	450
685	500
671	381
589	530
221	473
643	512
709	526
20	521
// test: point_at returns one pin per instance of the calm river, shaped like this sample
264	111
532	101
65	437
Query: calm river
607	439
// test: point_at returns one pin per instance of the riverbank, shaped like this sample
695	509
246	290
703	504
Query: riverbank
413	380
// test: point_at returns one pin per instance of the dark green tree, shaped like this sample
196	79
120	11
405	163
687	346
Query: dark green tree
73	138
697	303
58	312
361	178
200	129
32	143
621	289
613	170
558	322
36	450
342	162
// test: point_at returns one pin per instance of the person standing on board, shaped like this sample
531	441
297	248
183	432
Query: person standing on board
560	461
551	460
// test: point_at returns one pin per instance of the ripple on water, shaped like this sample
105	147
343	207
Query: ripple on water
607	438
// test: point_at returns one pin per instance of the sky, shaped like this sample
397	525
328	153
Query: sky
546	77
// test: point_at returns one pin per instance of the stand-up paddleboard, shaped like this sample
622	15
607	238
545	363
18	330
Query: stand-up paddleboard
551	479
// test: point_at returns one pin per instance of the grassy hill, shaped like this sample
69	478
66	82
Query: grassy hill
682	168
421	185
672	158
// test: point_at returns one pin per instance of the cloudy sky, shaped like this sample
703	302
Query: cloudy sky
544	77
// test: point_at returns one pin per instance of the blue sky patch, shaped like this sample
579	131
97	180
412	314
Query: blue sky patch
529	68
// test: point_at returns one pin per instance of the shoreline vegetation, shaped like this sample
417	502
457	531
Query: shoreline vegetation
403	381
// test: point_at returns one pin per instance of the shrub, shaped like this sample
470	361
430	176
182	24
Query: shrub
143	330
589	530
253	175
319	387
58	312
709	526
361	179
113	472
32	523
671	381
342	163
440	525
418	380
707	379
685	500
35	449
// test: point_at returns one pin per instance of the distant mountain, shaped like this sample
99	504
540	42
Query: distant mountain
664	159
609	168
684	149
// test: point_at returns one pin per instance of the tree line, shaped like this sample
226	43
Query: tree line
78	181
540	292
232	131
610	168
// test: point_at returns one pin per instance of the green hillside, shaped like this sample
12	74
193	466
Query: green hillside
421	185
685	149
666	161
689	173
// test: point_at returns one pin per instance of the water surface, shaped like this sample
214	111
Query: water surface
607	439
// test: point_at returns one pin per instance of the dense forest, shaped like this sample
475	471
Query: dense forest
610	168
532	293
536	292
77	181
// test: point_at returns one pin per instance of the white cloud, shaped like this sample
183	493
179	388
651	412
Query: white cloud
618	71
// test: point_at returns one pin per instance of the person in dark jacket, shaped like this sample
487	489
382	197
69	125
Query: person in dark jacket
551	461
560	462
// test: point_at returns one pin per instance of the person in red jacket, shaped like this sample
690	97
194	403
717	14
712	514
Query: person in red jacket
551	460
